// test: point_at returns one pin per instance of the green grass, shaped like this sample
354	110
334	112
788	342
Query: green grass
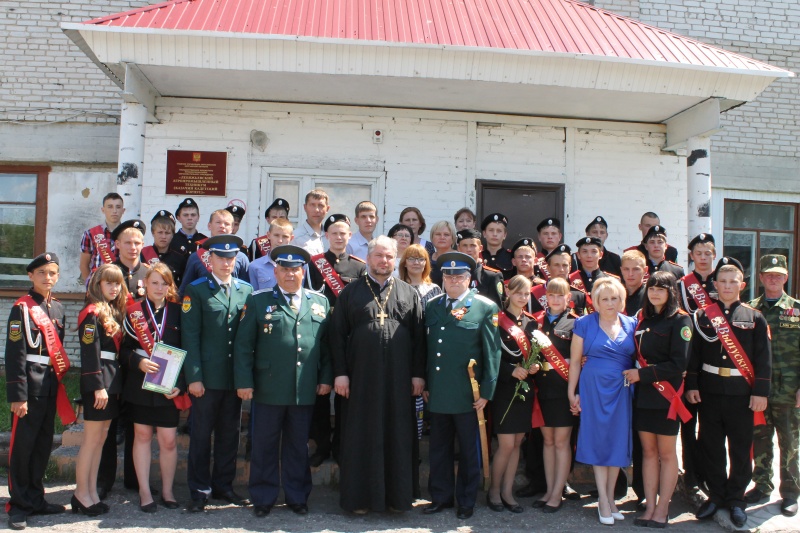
71	382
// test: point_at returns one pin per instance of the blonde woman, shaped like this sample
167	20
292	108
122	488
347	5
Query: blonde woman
603	396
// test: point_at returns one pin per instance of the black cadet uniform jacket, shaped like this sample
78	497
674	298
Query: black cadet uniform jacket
666	266
489	283
500	261
589	279
185	245
347	266
635	300
687	302
665	344
750	327
134	279
549	383
25	379
173	259
671	253
97	373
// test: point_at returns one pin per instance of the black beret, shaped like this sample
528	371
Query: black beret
526	241
588	240
467	234
163	214
728	261
333	219
703	238
597	220
558	250
546	223
187	202
278	203
653	232
133	223
235	210
494	217
42	259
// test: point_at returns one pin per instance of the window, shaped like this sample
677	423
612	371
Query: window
753	229
345	189
23	219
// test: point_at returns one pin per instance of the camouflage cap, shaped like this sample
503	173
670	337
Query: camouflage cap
773	263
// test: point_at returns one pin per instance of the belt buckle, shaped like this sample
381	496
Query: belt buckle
725	372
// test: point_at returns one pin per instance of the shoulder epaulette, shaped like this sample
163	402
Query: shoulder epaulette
673	263
312	291
749	307
682	312
198	281
243	282
527	314
484	299
358	259
490	269
610	275
438	296
259	291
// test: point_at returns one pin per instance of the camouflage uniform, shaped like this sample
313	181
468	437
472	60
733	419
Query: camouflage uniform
783	318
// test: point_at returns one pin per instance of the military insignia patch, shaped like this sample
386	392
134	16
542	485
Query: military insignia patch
686	333
15	331
187	304
500	288
88	334
494	320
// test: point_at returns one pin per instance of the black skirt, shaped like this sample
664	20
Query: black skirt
518	419
161	417
655	421
99	415
556	413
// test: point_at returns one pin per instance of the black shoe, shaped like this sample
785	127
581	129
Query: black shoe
549	509
298	508
50	508
102	493
196	506
169	504
437	507
641	504
570	493
78	507
317	459
496	507
738	516
17	522
789	507
151	507
529	491
261	510
755	495
538	504
514	508
104	508
640	522
464	513
231	497
706	511
657	525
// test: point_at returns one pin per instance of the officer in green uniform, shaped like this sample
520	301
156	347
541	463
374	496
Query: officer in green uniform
462	325
783	408
282	362
211	308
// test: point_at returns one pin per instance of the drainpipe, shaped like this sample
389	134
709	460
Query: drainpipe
698	176
131	157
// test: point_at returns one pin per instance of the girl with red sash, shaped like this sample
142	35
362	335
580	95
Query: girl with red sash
157	318
512	322
551	384
663	337
100	332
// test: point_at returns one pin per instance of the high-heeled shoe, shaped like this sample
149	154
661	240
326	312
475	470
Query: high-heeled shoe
605	520
78	507
104	508
618	516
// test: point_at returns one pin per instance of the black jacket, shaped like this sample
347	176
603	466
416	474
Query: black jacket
665	344
550	384
97	373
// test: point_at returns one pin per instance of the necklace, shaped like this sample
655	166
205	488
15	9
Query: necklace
382	315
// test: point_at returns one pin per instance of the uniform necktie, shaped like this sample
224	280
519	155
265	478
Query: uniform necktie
451	302
226	287
290	296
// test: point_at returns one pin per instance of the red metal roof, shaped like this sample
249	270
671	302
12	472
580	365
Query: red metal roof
538	25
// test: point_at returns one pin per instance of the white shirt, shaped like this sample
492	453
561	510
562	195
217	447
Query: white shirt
294	299
358	246
305	237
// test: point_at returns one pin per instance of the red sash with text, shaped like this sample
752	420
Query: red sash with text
539	292
102	243
55	349
551	353
696	291
263	244
542	264
576	282
150	255
148	342
510	327
665	388
734	350
331	277
203	254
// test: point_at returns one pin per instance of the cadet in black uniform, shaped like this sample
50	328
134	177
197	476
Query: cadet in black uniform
655	244
634	269
589	252
260	246
187	237
559	263
238	214
32	386
129	239
346	268
647	221
610	262
486	279
495	230
727	397
162	227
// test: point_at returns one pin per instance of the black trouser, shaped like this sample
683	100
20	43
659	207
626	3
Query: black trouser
690	452
321	430
445	429
726	417
28	454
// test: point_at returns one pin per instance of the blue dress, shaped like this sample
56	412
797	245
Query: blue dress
604	437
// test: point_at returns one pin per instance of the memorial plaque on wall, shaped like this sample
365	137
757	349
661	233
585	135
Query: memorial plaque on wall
195	173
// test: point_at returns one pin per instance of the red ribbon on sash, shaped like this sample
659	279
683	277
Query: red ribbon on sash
150	255
734	350
542	264
55	349
148	342
203	254
331	277
576	283
696	291
91	309
539	292
98	235
264	246
665	388
551	353
510	327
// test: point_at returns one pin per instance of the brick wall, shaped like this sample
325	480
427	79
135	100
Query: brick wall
45	76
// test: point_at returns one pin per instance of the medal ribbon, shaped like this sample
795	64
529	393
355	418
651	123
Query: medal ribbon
331	277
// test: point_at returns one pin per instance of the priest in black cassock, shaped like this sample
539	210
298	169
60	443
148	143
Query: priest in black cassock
377	340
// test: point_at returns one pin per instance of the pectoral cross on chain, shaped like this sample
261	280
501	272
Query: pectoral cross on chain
381	315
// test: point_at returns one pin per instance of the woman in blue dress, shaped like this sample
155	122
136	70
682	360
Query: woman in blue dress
602	396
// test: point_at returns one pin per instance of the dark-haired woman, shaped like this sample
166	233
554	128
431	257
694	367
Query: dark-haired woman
663	337
159	321
412	217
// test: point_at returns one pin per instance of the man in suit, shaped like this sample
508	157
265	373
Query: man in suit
282	362
211	308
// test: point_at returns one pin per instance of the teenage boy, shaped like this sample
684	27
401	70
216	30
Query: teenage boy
729	375
309	234
549	232
97	246
523	259
559	263
647	221
366	220
487	280
495	230
634	268
610	262
35	363
238	214
262	270
261	246
655	245
162	228
187	237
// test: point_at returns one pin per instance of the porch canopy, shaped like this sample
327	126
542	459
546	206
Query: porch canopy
550	58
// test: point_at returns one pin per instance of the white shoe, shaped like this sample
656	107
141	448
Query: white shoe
605	520
617	516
